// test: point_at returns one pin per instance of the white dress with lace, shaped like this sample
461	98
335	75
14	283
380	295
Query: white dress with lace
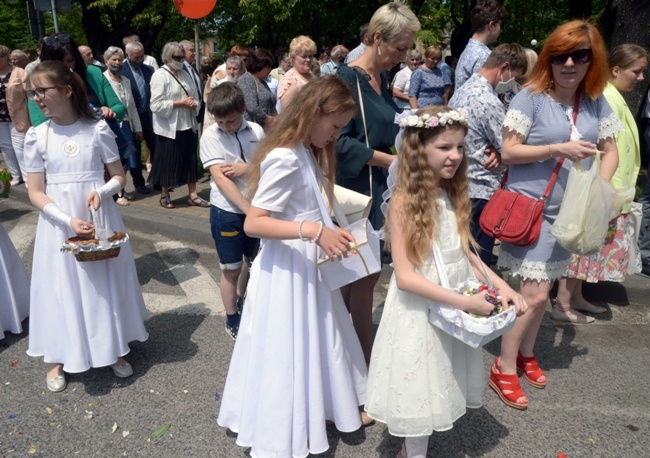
421	379
543	121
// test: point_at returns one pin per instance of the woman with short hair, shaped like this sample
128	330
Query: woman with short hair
301	52
260	101
430	85
402	80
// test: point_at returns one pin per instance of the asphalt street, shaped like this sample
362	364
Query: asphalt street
595	405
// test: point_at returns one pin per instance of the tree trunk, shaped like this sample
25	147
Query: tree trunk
626	21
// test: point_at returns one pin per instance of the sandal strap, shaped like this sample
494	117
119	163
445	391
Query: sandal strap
507	382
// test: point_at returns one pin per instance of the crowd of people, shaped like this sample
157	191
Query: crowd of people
385	120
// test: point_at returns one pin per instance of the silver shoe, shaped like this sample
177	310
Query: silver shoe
123	370
56	384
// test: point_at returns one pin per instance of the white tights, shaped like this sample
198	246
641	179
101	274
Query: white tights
416	447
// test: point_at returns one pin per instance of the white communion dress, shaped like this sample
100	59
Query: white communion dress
421	379
297	361
82	314
14	287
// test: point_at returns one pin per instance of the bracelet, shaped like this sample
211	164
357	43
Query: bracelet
302	239
320	232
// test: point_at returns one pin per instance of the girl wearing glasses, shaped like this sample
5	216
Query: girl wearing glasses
82	315
537	131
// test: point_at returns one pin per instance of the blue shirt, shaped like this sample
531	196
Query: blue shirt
428	86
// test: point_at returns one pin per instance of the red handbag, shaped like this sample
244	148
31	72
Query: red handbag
514	218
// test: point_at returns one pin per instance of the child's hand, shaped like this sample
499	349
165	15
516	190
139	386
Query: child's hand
478	304
335	244
93	199
234	170
81	227
510	295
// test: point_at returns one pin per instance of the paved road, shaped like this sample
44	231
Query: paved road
596	404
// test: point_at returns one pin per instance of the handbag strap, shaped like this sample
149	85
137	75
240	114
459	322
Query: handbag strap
178	81
365	129
336	208
560	162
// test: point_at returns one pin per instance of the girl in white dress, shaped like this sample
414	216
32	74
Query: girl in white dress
82	314
420	378
14	305
297	362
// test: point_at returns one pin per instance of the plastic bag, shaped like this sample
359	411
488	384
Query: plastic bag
581	225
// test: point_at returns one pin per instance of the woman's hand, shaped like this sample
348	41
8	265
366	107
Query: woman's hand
186	102
81	227
335	244
575	151
477	304
139	136
108	113
93	200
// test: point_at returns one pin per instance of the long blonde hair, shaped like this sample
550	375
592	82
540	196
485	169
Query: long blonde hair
323	96
417	188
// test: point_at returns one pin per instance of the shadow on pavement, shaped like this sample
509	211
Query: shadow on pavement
152	266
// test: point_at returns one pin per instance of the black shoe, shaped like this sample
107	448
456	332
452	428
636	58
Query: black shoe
142	190
646	269
232	331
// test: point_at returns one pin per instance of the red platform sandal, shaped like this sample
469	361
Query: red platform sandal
507	387
528	368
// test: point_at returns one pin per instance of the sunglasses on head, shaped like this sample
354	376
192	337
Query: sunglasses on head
62	38
178	58
579	56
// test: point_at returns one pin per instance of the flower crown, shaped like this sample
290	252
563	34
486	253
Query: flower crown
427	121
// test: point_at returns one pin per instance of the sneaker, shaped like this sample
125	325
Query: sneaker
16	181
240	304
232	331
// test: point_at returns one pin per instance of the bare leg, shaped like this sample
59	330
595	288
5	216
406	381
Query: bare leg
191	189
243	279
563	309
55	371
229	279
360	306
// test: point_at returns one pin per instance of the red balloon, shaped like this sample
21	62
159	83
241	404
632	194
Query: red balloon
195	9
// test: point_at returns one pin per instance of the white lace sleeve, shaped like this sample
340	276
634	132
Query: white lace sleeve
609	126
518	122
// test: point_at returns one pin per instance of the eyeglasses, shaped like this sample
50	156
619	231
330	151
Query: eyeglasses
178	58
39	92
578	57
61	38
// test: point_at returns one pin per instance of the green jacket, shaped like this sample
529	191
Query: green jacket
99	84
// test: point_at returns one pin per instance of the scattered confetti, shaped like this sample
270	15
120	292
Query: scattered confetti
561	455
12	416
31	450
124	434
14	363
151	391
115	428
185	391
49	410
217	396
161	432
7	383
89	415
591	441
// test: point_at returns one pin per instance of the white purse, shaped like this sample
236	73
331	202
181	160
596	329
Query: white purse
365	257
469	329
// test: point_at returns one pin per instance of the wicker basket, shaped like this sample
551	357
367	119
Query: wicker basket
87	249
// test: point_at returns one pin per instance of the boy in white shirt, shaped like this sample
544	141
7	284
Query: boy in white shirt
227	147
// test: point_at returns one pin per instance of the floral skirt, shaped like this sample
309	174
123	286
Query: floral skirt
612	261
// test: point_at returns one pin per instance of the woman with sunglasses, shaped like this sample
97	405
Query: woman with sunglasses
175	105
537	131
627	63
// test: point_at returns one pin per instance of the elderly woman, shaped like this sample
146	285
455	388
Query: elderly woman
430	85
175	105
301	52
363	150
234	69
237	50
13	120
627	63
538	130
260	101
130	125
402	80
